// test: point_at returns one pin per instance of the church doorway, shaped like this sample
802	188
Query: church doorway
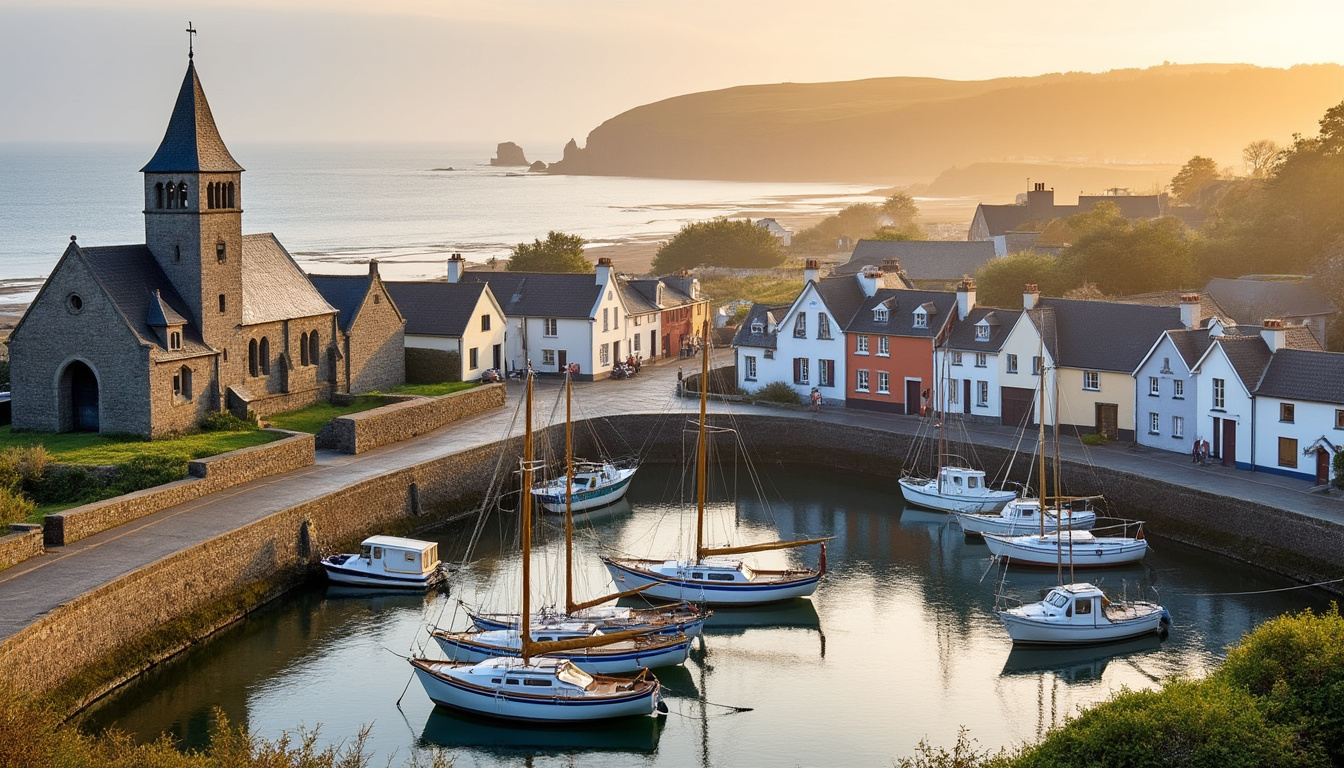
79	398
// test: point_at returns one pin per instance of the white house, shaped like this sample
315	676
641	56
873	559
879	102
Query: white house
557	319
454	317
1298	410
975	364
1165	392
784	236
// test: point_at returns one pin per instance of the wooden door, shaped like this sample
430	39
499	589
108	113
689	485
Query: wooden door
966	401
1019	406
912	396
1322	466
1229	443
1108	420
561	358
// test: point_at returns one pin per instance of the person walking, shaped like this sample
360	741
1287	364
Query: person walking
1195	452
816	400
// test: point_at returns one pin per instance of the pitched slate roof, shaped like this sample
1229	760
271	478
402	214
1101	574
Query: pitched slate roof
900	306
135	283
344	292
192	143
161	313
766	315
436	308
1208	306
274	288
921	260
1248	356
1191	343
639	296
1251	301
1107	335
1043	318
843	297
1001	324
541	294
1002	219
1295	374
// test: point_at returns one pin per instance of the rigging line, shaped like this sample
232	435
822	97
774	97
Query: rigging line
1266	591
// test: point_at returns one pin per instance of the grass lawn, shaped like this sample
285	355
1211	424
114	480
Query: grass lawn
780	288
94	449
432	390
314	417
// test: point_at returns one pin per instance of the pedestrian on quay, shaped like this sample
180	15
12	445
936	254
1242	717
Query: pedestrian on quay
1195	452
816	400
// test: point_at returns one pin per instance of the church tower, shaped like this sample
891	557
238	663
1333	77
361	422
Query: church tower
194	215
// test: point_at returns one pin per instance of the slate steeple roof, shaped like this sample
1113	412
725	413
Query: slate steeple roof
192	143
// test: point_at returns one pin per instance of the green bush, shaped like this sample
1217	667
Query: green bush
68	485
432	366
1338	480
146	472
14	507
223	421
22	466
1093	439
778	392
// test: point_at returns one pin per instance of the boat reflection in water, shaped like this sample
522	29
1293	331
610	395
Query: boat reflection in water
378	599
798	613
452	728
1075	664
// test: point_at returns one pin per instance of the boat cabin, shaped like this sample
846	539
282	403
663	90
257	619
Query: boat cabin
1076	600
727	571
962	480
397	556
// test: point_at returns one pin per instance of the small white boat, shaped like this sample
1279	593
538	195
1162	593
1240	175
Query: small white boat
713	580
389	562
1077	549
1078	614
682	618
1021	516
645	651
956	489
595	485
543	689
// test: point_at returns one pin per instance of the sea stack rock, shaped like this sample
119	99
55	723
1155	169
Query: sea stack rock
571	162
537	167
508	153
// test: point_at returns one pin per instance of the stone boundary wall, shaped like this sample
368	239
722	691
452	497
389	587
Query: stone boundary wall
204	476
284	545
22	542
364	431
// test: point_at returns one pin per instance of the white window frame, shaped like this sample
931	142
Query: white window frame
606	319
1178	426
1092	381
548	357
981	332
981	360
749	374
883	383
823	326
1154	386
956	358
1037	363
883	346
604	354
1012	363
800	326
880	314
861	344
861	381
982	394
802	373
1178	389
550	327
1219	394
1154	423
953	388
921	318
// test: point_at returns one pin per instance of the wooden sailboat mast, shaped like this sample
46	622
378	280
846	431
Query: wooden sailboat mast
701	460
526	530
569	494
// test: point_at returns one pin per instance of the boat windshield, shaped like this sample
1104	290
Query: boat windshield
1058	599
568	673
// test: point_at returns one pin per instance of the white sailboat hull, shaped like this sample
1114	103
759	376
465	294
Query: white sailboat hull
974	523
925	493
609	619
669	583
450	685
611	489
1041	551
1046	630
477	647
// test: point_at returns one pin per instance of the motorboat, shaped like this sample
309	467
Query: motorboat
714	577
593	485
1077	549
388	562
1079	614
956	489
541	689
644	651
1021	516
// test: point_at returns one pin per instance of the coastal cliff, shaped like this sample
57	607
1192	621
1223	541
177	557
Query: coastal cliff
509	154
905	128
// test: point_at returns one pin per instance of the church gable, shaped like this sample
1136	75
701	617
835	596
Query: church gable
274	288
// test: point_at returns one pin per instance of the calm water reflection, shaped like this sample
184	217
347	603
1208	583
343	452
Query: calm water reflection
899	643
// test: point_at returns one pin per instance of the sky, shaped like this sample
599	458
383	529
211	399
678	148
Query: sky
542	71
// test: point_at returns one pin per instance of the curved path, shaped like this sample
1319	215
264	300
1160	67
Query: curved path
35	587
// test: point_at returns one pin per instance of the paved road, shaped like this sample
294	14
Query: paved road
33	588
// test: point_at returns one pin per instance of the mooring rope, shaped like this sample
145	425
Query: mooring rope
1266	591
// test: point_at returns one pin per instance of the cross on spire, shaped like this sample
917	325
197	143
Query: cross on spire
191	35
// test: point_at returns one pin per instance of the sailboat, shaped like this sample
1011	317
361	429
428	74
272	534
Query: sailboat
955	487
1076	613
535	685
713	577
1021	516
681	618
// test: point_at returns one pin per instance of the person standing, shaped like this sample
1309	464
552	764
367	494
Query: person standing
816	400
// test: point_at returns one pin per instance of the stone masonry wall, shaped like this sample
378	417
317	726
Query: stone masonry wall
377	343
364	431
21	543
205	476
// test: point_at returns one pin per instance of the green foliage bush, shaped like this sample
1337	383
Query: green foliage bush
22	466
863	220
1338	479
1093	439
432	366
1000	282
148	471
68	485
559	252
223	421
778	392
14	508
719	243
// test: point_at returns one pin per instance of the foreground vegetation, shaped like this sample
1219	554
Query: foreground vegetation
312	418
778	287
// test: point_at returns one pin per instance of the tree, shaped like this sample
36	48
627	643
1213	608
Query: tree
1119	256
901	208
863	220
719	243
1194	177
559	252
907	233
1001	281
1259	157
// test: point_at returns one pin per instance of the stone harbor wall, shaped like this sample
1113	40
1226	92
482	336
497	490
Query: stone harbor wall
205	476
364	431
21	542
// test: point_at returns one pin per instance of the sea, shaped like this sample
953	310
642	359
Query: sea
335	206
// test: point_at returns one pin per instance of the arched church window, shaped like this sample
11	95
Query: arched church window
221	252
303	349
313	348
158	195
182	195
264	353
210	195
172	195
175	340
182	383
230	202
252	366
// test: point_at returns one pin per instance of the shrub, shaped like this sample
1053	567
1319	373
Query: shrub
432	366
146	472
1093	439
778	392
14	507
67	485
22	466
1339	470
223	421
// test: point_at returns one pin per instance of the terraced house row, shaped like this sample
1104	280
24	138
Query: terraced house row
1164	370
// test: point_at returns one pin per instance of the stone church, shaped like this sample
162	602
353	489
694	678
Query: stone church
150	339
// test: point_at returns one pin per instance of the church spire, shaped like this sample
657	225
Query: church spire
192	143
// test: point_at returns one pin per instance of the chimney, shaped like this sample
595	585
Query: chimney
870	279
1274	334
965	297
1031	296
811	271
1190	310
373	267
603	270
891	265
456	266
1040	203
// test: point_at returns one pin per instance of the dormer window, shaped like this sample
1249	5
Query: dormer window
175	340
758	327
921	318
982	332
880	314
